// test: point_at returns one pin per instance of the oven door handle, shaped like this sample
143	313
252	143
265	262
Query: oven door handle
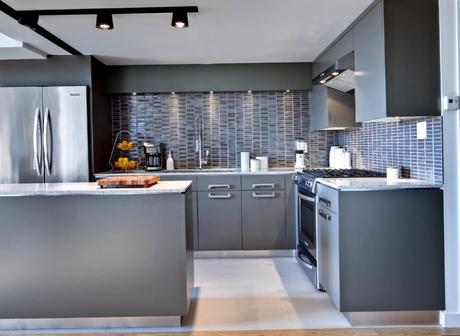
306	198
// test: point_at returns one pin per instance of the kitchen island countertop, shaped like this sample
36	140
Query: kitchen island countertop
87	188
375	183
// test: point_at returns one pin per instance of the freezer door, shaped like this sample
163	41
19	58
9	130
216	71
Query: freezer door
21	119
65	133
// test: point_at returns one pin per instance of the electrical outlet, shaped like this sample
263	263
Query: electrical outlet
421	130
451	103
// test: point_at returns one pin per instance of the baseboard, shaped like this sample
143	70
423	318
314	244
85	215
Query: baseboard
89	323
450	320
243	254
386	318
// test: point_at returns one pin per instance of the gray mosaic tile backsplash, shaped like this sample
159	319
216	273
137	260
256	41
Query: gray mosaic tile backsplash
264	123
377	145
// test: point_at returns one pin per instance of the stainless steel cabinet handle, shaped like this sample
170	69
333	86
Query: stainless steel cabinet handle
38	136
48	137
324	215
263	185
325	201
217	196
219	186
259	195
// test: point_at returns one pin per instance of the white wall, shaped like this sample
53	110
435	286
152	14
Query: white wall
450	14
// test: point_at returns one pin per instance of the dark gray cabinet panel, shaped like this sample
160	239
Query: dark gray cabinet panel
219	220
291	212
264	221
219	182
332	108
397	60
370	75
262	182
194	205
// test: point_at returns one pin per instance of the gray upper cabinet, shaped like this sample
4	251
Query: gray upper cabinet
397	60
332	109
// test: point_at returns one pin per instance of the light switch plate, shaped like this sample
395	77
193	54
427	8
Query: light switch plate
421	130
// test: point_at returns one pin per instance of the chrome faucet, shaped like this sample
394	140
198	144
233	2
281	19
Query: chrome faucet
199	143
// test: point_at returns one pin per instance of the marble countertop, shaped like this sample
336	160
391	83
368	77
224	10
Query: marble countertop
372	183
87	188
216	171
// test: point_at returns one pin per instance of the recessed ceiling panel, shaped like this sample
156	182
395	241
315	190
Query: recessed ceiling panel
236	31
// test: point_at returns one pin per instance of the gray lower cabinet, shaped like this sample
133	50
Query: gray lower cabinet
328	268
264	222
219	220
291	212
382	250
194	211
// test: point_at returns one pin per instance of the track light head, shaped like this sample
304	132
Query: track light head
104	21
179	19
29	20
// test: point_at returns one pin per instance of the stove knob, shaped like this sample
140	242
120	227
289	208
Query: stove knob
309	184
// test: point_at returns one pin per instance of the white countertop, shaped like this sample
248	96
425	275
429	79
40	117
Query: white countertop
216	171
374	183
86	188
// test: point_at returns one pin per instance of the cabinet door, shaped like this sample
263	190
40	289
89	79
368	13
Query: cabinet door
219	220
319	113
264	221
370	92
328	253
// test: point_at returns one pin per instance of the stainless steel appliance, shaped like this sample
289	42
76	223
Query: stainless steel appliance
307	232
340	75
153	156
43	135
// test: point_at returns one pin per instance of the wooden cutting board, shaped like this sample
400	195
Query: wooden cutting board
129	181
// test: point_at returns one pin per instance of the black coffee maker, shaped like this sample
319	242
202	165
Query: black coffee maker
153	156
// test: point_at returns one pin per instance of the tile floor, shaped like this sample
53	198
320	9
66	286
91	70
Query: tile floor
255	294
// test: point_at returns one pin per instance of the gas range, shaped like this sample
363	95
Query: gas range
306	179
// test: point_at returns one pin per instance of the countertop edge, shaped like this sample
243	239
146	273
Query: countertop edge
401	185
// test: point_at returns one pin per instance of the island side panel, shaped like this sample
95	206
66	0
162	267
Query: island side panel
93	256
391	250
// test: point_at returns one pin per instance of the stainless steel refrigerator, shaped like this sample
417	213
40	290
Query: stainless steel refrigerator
43	135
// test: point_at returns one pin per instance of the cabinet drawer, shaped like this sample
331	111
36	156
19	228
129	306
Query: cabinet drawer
219	220
328	197
263	182
219	182
180	178
264	220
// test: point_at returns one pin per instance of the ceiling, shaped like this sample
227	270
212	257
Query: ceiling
224	31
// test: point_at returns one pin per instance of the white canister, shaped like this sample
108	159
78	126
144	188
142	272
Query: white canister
332	162
245	161
255	166
393	174
263	162
347	160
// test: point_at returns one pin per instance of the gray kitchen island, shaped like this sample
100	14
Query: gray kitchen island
75	255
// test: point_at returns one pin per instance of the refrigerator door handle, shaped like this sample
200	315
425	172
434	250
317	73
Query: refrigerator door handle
48	138
38	141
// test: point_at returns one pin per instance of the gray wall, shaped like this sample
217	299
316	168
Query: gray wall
200	78
54	71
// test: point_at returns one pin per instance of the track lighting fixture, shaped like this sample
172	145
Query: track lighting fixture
179	19
30	20
104	21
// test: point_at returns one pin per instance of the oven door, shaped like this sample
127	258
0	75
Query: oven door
307	221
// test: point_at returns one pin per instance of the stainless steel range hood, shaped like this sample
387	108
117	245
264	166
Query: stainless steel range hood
339	76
